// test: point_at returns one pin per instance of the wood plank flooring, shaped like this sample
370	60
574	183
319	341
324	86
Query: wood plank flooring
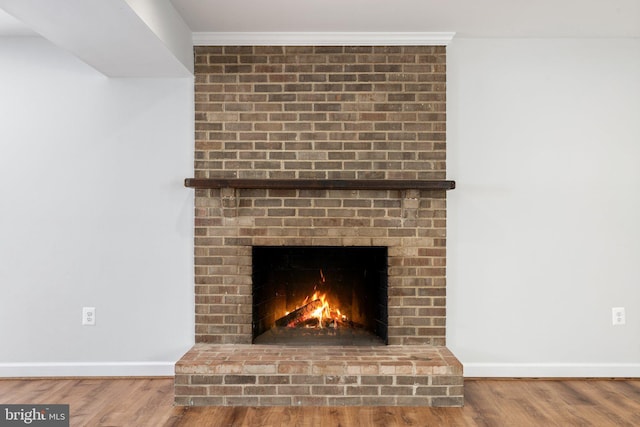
140	402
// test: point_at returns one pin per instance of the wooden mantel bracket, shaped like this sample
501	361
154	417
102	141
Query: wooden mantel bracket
320	184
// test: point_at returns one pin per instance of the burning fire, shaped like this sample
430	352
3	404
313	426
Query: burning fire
316	307
314	312
324	310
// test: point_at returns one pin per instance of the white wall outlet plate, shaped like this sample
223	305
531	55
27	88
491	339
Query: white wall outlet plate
88	316
618	316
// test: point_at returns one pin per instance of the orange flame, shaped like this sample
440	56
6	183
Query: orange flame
326	314
325	311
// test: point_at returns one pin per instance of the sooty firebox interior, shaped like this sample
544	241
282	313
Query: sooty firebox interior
306	295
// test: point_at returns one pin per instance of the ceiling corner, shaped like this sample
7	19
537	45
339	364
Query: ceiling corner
111	36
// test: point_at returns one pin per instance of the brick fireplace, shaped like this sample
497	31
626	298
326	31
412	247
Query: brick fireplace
326	146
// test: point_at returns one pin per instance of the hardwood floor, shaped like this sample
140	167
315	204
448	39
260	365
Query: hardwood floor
514	403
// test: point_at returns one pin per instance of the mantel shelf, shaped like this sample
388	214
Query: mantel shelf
320	184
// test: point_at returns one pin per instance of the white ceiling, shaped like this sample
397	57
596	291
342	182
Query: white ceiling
467	18
119	38
10	26
154	38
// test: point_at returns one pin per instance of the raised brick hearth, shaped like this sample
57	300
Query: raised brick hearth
266	375
320	113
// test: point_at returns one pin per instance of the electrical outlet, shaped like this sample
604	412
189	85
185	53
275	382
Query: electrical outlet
618	316
88	316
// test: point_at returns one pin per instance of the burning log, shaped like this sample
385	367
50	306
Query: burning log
312	322
299	314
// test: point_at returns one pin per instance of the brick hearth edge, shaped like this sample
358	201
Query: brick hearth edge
265	375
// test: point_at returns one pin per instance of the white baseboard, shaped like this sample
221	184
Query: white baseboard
552	370
87	369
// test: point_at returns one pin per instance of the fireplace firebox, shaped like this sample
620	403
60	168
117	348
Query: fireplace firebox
319	295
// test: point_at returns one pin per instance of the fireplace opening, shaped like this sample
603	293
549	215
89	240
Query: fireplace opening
305	295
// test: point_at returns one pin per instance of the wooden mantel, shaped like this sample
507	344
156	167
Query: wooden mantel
320	184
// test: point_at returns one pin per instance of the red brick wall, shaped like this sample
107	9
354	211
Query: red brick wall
320	113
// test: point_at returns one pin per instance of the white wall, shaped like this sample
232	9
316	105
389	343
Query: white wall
544	236
544	227
92	213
